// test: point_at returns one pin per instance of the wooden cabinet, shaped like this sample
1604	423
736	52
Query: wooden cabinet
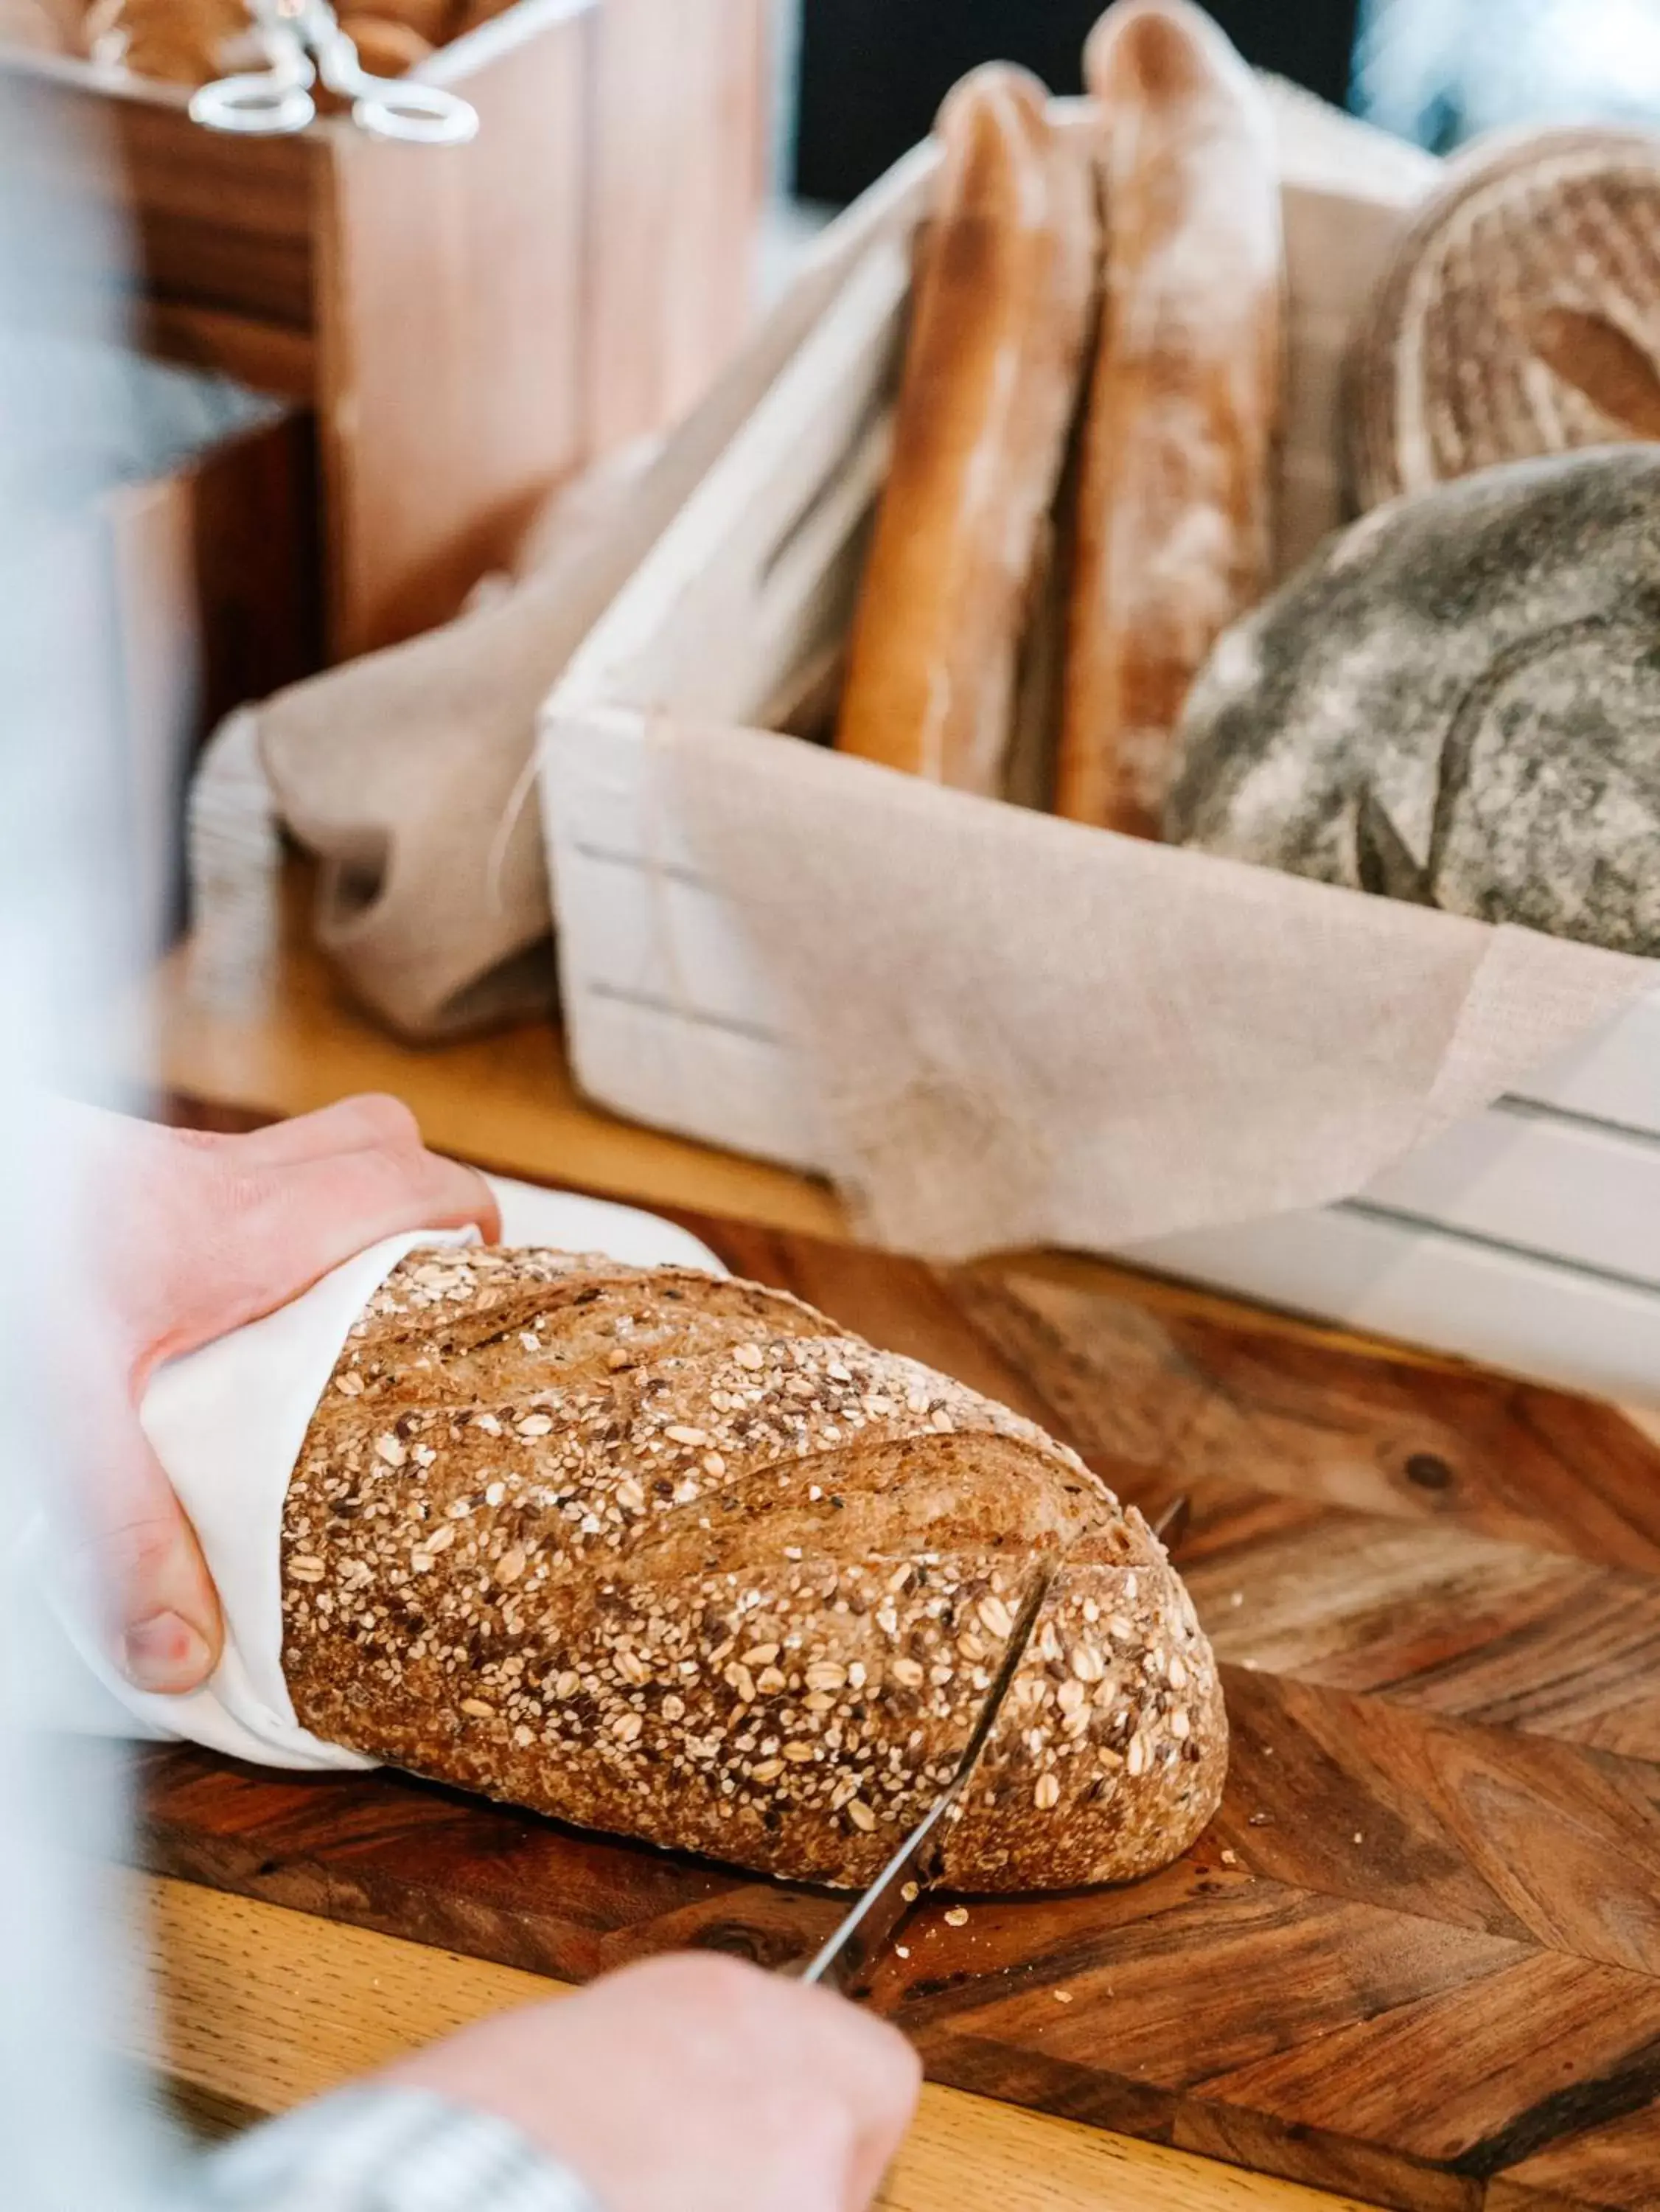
468	323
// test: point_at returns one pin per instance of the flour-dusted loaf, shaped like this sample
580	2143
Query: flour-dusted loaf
1519	315
178	41
1456	701
666	1554
1005	279
1174	514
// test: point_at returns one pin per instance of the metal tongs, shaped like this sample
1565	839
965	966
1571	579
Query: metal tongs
303	42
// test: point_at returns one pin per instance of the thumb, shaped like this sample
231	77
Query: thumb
155	1595
166	1608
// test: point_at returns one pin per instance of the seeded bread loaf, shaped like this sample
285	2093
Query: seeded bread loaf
668	1555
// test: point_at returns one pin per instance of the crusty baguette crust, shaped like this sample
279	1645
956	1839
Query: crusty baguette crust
175	41
1172	536
996	348
664	1554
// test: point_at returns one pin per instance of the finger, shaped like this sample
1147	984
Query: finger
349	1125
885	2128
341	1203
151	1581
171	1633
276	1232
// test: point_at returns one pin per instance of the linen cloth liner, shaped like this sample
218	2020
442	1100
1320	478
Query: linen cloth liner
402	773
1021	1030
227	1422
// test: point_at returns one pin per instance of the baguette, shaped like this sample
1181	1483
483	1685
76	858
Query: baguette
1173	517
668	1555
433	20
998	329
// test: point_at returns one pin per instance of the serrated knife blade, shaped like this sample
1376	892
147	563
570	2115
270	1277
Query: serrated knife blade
842	1961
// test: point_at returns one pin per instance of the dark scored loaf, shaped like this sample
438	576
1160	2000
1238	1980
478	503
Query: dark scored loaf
666	1554
1456	701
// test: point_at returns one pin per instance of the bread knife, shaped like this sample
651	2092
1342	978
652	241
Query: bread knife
841	1961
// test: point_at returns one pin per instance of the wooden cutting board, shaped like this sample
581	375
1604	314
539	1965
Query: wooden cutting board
1417	1956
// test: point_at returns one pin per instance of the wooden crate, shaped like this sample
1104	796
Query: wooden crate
1524	1235
469	323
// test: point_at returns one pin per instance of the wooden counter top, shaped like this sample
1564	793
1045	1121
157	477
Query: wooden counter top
261	2008
261	2005
272	1031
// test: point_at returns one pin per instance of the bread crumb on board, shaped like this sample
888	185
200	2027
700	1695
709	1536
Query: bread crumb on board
957	1916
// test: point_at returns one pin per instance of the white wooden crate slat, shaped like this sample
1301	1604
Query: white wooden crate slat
1513	1310
715	638
654	937
1528	1177
736	1090
1614	1076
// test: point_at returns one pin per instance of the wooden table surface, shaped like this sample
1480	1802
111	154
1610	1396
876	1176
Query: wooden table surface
260	2005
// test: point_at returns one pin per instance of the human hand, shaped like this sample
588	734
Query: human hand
693	2083
178	1236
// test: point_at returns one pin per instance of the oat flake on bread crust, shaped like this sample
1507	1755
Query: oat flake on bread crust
668	1555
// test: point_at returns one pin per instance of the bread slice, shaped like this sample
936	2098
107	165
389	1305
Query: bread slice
666	1554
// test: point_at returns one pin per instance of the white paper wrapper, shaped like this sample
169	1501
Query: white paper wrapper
227	1422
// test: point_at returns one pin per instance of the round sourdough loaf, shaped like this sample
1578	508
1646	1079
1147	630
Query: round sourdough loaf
1520	314
1456	701
666	1554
